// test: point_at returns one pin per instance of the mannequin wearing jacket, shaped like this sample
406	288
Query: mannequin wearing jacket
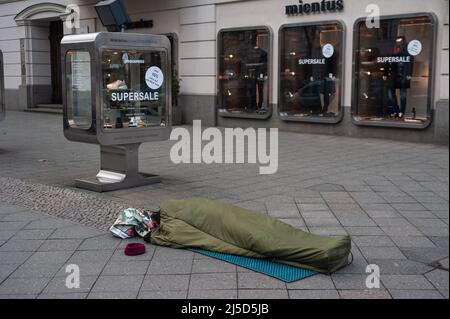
398	76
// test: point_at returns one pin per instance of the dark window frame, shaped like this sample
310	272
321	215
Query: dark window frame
269	74
319	120
431	81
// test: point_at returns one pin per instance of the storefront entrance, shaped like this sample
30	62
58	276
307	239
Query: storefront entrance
56	33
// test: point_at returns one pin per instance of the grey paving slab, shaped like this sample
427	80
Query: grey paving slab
263	294
414	282
349	281
23	286
375	293
63	296
118	283
213	281
113	295
371	253
100	243
415	294
401	267
58	285
166	266
165	283
213	294
163	294
14	257
439	279
50	256
36	270
126	268
60	245
21	245
319	281
313	294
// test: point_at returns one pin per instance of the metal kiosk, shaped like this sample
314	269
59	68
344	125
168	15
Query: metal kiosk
117	93
2	90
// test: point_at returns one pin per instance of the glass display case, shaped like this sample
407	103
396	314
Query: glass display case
244	72
393	71
2	89
118	95
117	88
311	72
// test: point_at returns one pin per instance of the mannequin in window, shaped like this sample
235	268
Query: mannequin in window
398	76
256	72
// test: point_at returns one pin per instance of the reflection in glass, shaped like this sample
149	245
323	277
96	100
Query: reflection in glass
134	89
243	72
78	84
310	70
393	70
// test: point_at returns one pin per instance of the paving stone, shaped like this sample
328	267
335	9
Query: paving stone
60	245
58	285
93	256
63	296
49	223
12	225
364	231
86	269
21	245
319	281
400	267
174	267
75	232
118	283
412	241
313	294
382	253
19	286
252	280
21	297
170	294
213	281
36	270
6	234
415	294
439	279
350	281
14	257
213	294
33	234
414	282
126	268
166	282
100	243
425	255
113	295
263	294
373	241
365	294
171	253
21	216
53	256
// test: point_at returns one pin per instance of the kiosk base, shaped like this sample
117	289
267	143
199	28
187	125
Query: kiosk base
119	170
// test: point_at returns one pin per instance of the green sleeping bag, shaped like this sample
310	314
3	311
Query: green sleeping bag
210	225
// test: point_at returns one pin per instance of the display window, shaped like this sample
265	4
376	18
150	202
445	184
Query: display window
134	89
79	89
244	73
311	72
393	71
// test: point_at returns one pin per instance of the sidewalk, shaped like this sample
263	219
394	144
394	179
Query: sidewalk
391	197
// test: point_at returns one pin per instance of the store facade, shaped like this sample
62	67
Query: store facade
301	66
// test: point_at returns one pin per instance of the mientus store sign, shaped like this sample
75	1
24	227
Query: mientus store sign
315	7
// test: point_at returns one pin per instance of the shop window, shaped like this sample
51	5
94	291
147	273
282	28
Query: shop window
78	84
311	72
134	88
244	73
393	72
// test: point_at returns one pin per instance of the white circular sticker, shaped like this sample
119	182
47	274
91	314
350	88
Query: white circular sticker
414	47
328	50
154	78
